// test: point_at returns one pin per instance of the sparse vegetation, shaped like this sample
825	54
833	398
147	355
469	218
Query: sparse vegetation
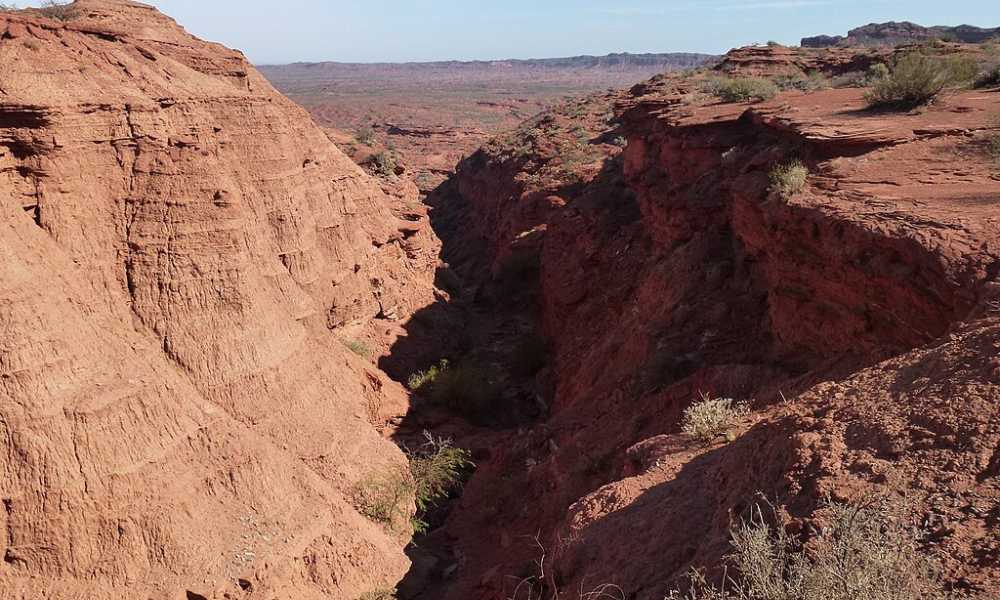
710	417
358	347
993	147
865	553
421	378
384	497
383	594
60	11
789	178
877	72
468	389
918	78
741	89
384	164
806	83
868	78
989	77
435	470
365	136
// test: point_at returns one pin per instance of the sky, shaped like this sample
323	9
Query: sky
271	32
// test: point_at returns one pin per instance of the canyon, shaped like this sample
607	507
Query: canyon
431	115
211	317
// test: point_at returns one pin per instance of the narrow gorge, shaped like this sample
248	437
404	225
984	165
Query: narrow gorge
210	321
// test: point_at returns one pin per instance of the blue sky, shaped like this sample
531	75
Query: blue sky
407	30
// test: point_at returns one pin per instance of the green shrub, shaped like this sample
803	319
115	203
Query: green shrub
467	389
710	417
742	89
434	471
421	378
917	79
877	72
384	164
789	178
365	136
385	497
437	469
866	553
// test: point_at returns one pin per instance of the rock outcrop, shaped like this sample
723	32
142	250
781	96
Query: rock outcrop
181	250
893	33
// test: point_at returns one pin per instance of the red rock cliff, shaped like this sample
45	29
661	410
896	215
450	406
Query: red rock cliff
177	419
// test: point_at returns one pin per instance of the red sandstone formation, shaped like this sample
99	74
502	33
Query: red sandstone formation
673	270
182	250
185	256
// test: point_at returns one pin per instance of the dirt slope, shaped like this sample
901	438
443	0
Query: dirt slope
670	268
183	251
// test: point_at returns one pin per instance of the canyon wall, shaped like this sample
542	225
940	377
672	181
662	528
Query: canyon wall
181	247
672	268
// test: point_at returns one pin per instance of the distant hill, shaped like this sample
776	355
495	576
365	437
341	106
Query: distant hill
893	33
511	68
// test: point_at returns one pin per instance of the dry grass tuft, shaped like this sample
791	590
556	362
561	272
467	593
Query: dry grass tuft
358	347
866	553
788	179
710	417
741	89
382	594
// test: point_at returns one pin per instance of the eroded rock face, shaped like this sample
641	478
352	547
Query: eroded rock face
858	314
180	247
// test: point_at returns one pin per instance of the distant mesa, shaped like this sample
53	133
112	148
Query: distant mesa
893	33
666	61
